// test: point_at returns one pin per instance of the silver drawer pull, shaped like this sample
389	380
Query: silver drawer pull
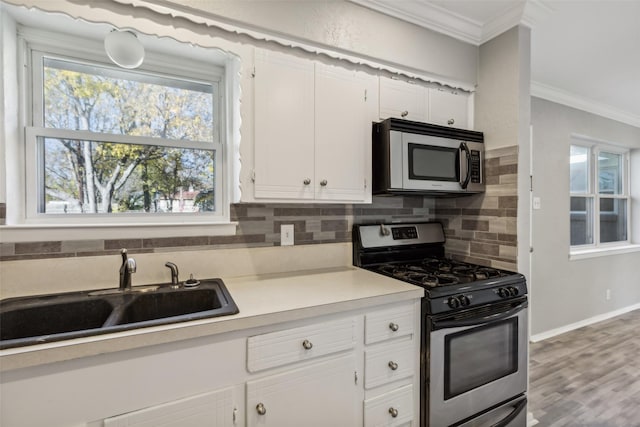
451	121
261	409
393	411
394	326
307	344
393	365
307	181
323	183
404	114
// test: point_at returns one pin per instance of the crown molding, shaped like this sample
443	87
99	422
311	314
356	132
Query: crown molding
428	15
560	96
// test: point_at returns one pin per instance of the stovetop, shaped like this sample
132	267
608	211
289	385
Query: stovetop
434	272
414	253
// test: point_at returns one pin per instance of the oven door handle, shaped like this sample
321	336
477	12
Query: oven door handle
512	416
444	324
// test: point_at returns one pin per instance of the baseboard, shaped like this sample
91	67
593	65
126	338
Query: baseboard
586	322
530	420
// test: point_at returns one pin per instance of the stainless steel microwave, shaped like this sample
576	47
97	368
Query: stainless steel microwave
421	158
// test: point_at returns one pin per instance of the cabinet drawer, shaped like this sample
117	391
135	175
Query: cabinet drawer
389	362
294	345
389	323
380	410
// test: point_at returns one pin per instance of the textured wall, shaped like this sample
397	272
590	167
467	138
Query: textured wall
258	225
483	228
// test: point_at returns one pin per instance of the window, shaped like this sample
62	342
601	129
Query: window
105	144
599	186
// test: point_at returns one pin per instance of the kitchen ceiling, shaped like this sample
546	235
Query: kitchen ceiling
584	53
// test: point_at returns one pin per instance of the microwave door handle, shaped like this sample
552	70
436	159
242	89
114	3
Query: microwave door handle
467	155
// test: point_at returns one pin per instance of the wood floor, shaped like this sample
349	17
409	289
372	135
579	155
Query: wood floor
589	377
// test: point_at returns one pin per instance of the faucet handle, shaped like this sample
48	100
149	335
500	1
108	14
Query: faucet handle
131	265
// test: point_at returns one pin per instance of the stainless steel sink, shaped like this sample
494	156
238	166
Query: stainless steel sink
45	318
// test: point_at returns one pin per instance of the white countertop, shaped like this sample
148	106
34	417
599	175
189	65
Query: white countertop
262	300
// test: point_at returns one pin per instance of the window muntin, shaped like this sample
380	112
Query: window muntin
149	142
599	202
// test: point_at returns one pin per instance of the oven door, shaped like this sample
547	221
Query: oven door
478	359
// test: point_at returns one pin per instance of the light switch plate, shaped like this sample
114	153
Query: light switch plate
286	234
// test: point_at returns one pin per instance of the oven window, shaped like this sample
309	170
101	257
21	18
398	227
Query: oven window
478	356
433	163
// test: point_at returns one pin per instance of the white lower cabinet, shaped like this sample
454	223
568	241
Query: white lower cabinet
312	372
214	409
319	395
394	408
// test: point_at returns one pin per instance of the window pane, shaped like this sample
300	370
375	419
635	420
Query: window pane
613	220
579	169
107	100
581	221
609	173
85	177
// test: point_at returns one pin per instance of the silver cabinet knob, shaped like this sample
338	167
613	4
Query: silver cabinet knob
323	183
307	344
450	122
393	365
394	326
405	113
261	409
306	181
393	411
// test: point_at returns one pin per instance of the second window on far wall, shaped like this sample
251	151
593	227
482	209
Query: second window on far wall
599	187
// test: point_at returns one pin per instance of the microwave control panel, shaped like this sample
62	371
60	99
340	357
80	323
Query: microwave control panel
475	166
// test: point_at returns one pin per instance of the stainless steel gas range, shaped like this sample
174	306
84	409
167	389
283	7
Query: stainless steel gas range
474	326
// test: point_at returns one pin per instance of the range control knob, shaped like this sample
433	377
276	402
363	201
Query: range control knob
503	293
513	291
464	300
453	302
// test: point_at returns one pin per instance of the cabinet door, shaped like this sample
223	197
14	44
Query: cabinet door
320	395
284	115
345	109
449	108
215	409
402	100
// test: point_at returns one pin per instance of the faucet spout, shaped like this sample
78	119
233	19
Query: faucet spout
127	268
175	282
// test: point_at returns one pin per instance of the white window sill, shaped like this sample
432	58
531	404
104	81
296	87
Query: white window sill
606	251
54	232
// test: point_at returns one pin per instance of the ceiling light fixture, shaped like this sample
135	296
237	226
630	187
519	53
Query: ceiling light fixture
124	49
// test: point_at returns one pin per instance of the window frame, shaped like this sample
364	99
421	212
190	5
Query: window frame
34	46
594	149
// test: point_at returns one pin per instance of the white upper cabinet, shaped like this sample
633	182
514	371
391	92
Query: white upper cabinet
284	133
403	100
312	130
411	101
345	109
449	107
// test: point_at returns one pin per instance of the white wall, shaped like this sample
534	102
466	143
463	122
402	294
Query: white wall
352	28
566	292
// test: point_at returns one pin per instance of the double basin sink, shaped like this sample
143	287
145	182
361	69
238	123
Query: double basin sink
46	318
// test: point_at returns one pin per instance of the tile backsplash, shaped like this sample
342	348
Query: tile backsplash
480	228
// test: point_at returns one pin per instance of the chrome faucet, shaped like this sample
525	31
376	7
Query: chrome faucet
127	268
175	282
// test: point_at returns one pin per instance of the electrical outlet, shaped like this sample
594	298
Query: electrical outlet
537	203
286	235
608	294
